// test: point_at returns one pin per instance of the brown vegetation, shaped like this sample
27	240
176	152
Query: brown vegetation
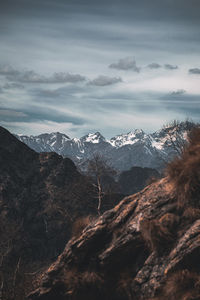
184	172
191	214
181	285
159	234
80	224
83	285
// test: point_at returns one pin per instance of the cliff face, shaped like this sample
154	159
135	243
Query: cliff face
147	247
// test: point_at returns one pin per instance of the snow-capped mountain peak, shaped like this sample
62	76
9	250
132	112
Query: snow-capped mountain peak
135	148
129	138
94	138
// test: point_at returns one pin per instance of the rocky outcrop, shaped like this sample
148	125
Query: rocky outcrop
147	247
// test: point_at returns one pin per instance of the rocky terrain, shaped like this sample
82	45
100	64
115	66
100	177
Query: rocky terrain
147	247
124	151
41	195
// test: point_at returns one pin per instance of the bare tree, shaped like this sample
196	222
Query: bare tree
101	174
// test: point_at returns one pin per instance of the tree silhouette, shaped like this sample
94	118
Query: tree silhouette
101	174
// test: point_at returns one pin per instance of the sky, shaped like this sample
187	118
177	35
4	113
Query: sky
79	66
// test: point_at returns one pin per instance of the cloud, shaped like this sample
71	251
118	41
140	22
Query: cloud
48	93
127	63
194	71
13	85
8	70
32	77
178	92
170	67
154	66
166	66
11	113
105	80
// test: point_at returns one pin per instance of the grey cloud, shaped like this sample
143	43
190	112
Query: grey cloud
34	113
32	77
13	85
127	63
194	71
166	66
178	92
154	66
105	80
8	70
11	113
170	67
48	93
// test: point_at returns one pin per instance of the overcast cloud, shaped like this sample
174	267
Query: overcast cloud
194	71
127	63
154	66
102	80
78	66
170	67
32	77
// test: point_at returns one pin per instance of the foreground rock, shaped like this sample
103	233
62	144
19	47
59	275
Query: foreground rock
147	247
112	260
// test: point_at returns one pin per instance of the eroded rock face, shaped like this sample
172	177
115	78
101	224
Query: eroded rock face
129	252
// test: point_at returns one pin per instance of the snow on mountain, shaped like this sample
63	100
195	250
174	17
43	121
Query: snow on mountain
135	148
94	138
127	139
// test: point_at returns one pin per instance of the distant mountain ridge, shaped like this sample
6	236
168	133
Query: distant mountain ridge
136	148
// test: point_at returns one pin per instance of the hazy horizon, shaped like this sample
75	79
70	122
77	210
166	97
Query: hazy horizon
110	66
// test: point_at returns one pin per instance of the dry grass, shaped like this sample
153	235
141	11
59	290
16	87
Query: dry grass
184	173
83	285
124	289
80	224
159	234
191	214
181	285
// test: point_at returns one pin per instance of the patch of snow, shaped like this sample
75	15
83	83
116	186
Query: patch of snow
127	139
93	138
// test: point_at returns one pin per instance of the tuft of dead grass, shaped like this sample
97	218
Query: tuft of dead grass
181	285
159	234
80	224
184	173
87	284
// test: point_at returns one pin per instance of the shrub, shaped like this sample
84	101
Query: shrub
159	233
80	224
184	173
181	285
83	285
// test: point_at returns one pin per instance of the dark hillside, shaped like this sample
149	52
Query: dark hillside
135	179
41	195
147	247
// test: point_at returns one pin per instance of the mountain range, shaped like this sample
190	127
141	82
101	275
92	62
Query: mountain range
136	148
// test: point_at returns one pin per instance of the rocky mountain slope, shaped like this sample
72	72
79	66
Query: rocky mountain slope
40	197
135	148
147	247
